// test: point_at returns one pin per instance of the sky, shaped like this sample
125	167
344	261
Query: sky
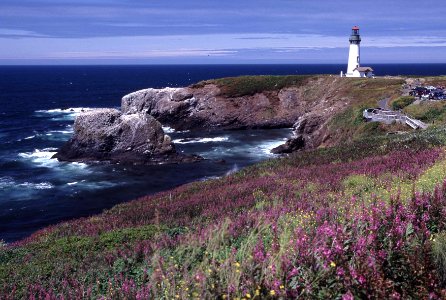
219	32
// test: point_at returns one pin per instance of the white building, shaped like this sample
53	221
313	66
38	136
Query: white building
354	68
362	72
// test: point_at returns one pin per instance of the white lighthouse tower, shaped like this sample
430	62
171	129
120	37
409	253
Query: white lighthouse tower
354	68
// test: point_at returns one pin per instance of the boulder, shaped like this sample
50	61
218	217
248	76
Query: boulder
107	134
293	144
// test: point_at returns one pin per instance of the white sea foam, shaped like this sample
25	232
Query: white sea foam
51	135
201	140
61	131
266	147
9	182
168	129
70	110
77	165
41	157
6	181
72	183
63	114
37	186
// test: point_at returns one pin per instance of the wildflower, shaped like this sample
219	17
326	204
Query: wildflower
272	292
248	295
237	265
332	264
257	293
282	287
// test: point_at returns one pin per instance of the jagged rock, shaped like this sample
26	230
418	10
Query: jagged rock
293	144
205	107
307	125
107	134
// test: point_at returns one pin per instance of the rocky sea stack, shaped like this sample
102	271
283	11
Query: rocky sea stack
109	135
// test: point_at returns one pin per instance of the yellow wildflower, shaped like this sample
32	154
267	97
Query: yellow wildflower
272	292
333	264
248	295
257	293
237	265
282	287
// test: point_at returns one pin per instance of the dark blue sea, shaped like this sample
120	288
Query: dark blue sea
38	105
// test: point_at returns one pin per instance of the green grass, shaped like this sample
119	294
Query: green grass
348	124
83	254
186	254
431	112
402	102
250	85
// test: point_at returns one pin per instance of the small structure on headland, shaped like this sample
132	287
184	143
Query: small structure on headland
354	68
390	116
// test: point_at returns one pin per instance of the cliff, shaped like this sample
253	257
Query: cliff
323	110
364	219
309	103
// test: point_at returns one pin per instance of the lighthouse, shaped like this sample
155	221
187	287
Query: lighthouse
354	68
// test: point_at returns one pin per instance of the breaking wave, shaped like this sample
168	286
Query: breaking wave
201	140
63	114
9	182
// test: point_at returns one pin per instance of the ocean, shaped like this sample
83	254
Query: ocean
38	105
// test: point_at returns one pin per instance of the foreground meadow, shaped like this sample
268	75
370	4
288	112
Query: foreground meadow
362	220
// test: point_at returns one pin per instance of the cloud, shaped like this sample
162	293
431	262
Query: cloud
14	33
183	46
143	54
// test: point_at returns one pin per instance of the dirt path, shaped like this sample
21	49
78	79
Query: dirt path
384	104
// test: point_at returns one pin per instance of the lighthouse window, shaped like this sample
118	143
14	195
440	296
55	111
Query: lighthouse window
357	59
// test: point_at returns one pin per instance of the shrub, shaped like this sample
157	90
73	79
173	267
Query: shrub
439	255
402	102
250	85
429	111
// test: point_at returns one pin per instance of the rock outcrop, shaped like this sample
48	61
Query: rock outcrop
206	107
110	135
293	144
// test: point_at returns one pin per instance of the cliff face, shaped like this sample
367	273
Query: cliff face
207	106
323	109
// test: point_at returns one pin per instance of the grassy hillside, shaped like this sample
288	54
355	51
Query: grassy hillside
250	85
363	219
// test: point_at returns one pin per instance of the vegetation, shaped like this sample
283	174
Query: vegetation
348	124
431	112
360	220
364	219
402	102
250	85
